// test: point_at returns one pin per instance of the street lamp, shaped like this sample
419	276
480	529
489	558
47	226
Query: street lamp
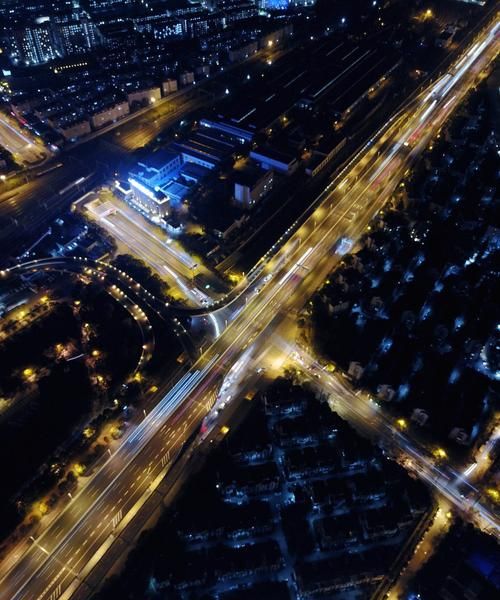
440	453
28	372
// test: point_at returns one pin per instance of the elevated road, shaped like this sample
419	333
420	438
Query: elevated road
63	560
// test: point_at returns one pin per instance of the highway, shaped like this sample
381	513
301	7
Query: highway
60	562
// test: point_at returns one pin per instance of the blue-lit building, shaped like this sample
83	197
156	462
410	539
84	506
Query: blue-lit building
160	182
284	4
149	182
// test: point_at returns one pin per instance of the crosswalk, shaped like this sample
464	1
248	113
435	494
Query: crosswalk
117	518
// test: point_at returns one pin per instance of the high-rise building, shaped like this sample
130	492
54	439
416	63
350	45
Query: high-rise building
103	5
35	44
55	36
79	36
8	8
284	4
222	4
38	8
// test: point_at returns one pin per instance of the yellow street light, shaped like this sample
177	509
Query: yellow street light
79	469
88	432
493	493
28	372
401	423
95	353
440	453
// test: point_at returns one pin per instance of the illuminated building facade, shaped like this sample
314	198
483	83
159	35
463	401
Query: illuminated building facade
149	178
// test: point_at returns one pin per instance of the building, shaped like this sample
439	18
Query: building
186	78
48	38
268	158
240	11
277	37
147	95
239	134
35	44
109	113
169	86
243	52
203	23
206	150
104	5
250	185
74	128
149	182
323	156
79	36
168	28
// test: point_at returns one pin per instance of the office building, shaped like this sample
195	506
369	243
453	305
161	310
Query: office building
149	182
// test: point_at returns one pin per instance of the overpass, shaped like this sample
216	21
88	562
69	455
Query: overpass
68	560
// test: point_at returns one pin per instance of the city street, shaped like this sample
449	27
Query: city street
69	559
150	244
372	422
17	143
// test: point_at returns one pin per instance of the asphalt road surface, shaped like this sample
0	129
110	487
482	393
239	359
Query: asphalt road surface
57	564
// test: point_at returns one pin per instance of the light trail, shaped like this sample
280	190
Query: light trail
368	417
254	319
293	269
16	132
